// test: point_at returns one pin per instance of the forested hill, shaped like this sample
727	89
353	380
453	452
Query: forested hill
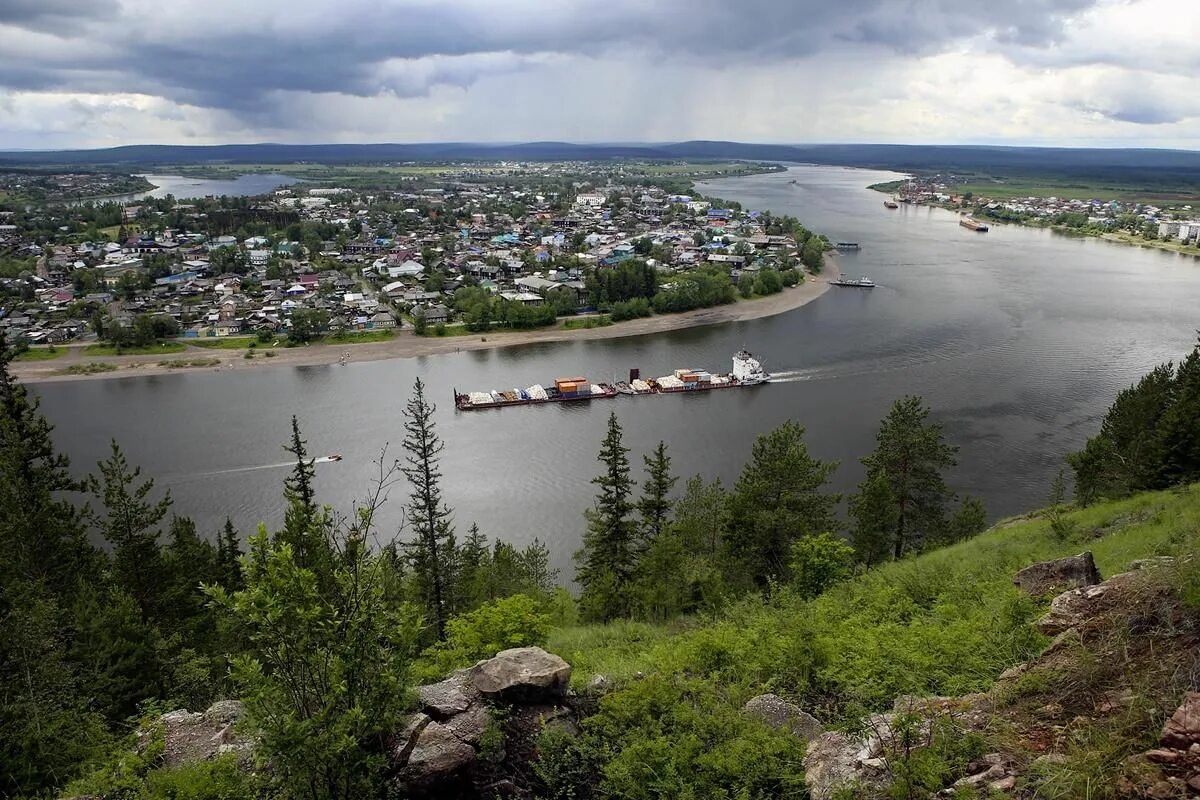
1082	162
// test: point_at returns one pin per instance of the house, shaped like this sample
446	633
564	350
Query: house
259	258
435	313
382	320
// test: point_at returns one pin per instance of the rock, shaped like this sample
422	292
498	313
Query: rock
520	674
469	725
830	763
1005	784
1164	755
599	684
1071	609
1154	562
436	754
1014	672
779	714
1058	575
1183	728
1194	782
190	737
449	697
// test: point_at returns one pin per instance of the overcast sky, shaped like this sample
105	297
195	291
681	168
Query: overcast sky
96	73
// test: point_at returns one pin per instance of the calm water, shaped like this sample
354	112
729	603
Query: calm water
1018	338
184	188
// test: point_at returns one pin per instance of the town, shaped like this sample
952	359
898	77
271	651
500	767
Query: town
1171	223
441	256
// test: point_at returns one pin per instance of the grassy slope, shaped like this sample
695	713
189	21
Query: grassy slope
944	623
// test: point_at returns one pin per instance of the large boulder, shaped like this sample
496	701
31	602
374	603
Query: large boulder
1183	728
189	737
1076	607
449	697
1058	575
522	674
434	753
782	715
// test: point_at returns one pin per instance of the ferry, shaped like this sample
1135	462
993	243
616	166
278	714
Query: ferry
970	223
890	204
848	246
747	371
862	283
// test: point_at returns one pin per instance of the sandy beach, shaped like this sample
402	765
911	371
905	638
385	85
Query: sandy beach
406	344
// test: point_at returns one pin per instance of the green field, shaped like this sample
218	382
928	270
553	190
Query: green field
224	342
148	350
360	337
41	354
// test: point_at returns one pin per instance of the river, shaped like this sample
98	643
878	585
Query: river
1018	338
184	188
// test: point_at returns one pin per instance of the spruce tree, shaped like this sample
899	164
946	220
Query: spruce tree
911	454
129	523
606	562
874	515
229	554
474	560
778	499
430	554
1177	433
655	503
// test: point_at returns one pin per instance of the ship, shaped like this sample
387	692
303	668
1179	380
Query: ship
747	371
848	246
891	204
970	223
862	283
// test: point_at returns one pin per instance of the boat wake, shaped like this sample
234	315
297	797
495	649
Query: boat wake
255	468
791	376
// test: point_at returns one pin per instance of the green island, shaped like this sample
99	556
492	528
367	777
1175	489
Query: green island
743	641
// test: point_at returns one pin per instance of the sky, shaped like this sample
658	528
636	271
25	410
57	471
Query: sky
99	73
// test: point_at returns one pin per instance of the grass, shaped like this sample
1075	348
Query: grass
90	368
360	337
223	342
586	323
41	354
147	350
947	622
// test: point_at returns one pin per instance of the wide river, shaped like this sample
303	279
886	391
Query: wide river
1018	338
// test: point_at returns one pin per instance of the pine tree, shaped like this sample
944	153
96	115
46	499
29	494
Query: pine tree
970	520
910	453
778	499
874	514
606	562
229	554
655	504
306	527
129	523
474	560
1177	434
430	555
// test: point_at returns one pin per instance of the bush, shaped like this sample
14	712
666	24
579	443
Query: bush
514	621
819	562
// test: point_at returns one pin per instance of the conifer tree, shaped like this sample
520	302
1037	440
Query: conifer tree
129	523
306	527
874	515
606	562
911	454
655	503
229	554
778	499
431	553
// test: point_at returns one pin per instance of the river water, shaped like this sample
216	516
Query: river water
1018	338
184	188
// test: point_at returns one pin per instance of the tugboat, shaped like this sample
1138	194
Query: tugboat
862	283
747	370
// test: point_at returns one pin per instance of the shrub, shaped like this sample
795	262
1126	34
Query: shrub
514	621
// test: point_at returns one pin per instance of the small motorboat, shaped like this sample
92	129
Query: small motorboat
334	457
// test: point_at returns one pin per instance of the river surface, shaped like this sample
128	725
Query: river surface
184	188
1018	338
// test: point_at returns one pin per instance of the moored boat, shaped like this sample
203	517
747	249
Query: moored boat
848	246
891	204
973	224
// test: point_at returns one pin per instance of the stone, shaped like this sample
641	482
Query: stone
436	754
1071	609
1183	728
1058	575
599	684
449	697
779	714
1014	672
1005	784
522	673
830	763
1164	755
190	737
469	725
1194	782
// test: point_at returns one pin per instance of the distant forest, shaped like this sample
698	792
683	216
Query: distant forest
1146	167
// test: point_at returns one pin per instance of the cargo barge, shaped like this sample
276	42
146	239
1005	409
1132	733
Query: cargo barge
747	371
970	223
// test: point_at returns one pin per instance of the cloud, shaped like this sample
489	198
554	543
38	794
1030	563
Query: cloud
766	70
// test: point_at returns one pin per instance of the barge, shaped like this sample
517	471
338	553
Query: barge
970	223
747	371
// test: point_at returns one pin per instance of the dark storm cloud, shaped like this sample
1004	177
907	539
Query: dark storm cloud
235	56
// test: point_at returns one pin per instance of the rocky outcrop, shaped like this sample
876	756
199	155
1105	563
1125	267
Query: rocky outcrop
1058	575
438	752
1075	607
1173	768
836	763
190	736
779	714
525	672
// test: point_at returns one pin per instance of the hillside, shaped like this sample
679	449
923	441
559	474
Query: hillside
977	696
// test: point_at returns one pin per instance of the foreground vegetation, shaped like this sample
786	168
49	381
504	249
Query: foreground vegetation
688	609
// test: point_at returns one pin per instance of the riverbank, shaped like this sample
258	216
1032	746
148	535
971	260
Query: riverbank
406	344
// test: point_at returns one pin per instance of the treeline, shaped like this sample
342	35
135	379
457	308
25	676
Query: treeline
1149	438
482	310
319	628
651	557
